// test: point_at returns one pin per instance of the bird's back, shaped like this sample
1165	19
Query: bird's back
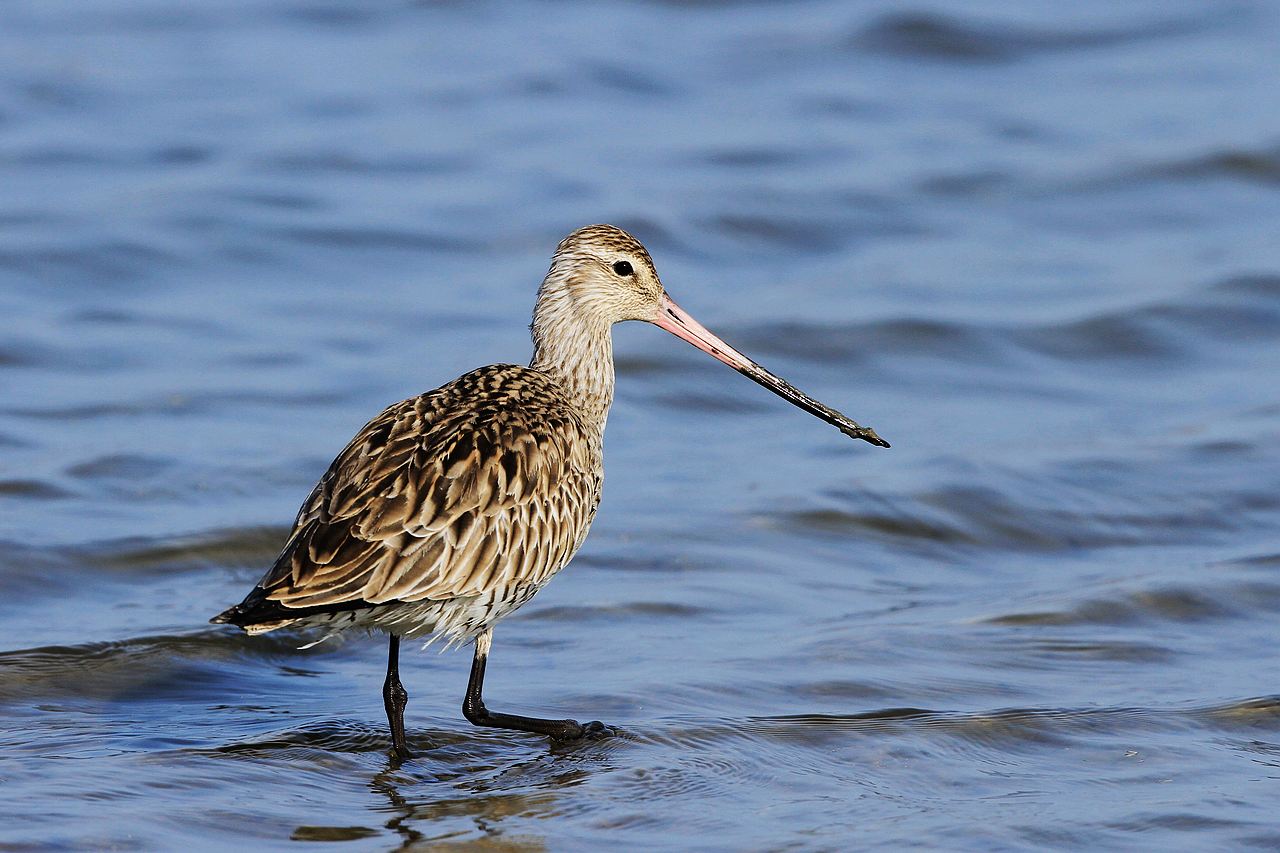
446	511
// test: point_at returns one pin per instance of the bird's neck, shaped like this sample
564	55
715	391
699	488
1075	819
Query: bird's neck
575	347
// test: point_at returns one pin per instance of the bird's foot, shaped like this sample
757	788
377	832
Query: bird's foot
594	730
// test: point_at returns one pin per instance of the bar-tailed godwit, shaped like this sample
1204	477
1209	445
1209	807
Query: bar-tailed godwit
451	509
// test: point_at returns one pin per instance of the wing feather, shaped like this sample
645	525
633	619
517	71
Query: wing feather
489	480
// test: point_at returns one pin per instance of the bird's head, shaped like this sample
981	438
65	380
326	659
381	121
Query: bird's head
601	275
606	275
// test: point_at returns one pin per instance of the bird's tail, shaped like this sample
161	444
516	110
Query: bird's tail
252	615
258	614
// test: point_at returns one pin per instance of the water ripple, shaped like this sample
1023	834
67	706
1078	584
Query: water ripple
942	37
1036	246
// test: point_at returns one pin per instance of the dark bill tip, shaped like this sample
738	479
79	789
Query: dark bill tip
866	434
675	320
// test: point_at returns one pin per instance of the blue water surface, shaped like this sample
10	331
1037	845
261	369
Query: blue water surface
1034	245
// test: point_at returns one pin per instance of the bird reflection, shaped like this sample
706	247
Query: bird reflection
463	794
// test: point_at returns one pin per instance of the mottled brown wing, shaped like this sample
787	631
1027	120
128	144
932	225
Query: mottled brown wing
445	495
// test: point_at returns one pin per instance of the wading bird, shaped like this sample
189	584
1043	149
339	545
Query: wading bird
451	509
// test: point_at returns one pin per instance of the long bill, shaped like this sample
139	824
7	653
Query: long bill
675	320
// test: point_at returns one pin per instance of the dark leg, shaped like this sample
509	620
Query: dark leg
395	697
474	710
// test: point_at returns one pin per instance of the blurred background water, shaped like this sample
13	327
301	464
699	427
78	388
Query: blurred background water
1034	245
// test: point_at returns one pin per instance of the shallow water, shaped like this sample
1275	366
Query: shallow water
1035	248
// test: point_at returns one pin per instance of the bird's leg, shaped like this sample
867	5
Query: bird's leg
474	710
395	697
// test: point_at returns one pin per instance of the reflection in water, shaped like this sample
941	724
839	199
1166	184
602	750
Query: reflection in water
462	797
483	811
462	785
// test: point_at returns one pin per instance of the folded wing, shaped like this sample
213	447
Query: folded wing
475	485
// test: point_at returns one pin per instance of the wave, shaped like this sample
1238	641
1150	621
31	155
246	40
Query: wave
930	35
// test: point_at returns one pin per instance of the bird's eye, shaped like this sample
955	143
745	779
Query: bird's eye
622	267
